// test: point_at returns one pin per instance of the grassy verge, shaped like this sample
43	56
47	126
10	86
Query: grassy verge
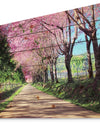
12	94
80	92
8	93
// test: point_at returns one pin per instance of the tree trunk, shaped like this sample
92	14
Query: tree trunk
96	49
45	77
91	34
51	72
98	64
55	63
90	71
38	77
67	64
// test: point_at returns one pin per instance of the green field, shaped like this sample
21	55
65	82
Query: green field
78	64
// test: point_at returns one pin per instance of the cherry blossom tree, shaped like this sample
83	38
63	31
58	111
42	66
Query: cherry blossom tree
90	30
60	26
48	53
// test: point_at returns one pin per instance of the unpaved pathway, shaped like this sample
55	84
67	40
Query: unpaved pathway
32	103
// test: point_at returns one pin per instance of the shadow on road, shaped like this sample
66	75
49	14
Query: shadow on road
27	105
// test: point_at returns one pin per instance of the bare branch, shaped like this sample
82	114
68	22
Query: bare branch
86	31
74	39
69	28
61	28
84	18
59	45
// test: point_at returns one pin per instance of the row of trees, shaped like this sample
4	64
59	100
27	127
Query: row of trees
40	41
78	17
90	31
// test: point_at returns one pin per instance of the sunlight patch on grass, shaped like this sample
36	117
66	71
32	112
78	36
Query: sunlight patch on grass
4	104
77	93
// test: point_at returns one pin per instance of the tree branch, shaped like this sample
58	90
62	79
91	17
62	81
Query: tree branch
84	18
86	31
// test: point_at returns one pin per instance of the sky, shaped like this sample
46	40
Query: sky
80	48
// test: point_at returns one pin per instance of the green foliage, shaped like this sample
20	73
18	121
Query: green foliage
7	65
20	26
23	30
43	58
13	28
36	42
31	30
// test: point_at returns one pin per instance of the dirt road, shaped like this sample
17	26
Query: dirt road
32	103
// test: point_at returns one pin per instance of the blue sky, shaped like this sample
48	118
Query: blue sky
80	48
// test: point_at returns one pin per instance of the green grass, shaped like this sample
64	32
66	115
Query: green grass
80	92
8	93
12	94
